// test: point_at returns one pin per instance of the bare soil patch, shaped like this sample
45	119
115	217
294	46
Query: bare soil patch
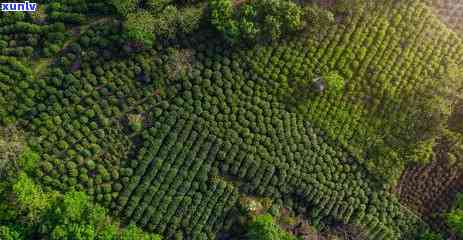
451	13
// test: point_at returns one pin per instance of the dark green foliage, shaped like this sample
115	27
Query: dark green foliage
9	233
430	236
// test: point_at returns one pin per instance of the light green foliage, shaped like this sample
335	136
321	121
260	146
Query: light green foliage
454	218
140	26
8	233
455	221
68	216
108	231
221	12
423	152
28	160
31	198
135	122
222	18
263	227
74	205
334	81
76	217
164	22
132	232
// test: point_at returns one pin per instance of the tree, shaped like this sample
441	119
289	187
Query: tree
74	205
166	22
135	122
156	6
454	218
263	227
221	17
31	199
256	20
132	232
140	26
430	236
9	233
124	7
334	81
189	19
316	16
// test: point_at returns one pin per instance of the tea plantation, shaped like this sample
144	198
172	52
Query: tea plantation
169	113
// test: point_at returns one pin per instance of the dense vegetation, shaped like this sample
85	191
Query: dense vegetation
28	212
166	113
264	228
455	217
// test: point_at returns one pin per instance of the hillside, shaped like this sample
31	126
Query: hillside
343	115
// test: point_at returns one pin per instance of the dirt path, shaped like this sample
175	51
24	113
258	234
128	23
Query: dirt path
40	65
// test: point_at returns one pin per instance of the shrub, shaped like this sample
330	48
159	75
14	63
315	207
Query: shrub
334	81
430	236
135	122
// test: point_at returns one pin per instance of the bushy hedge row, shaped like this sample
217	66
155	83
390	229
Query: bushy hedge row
171	178
277	153
25	37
